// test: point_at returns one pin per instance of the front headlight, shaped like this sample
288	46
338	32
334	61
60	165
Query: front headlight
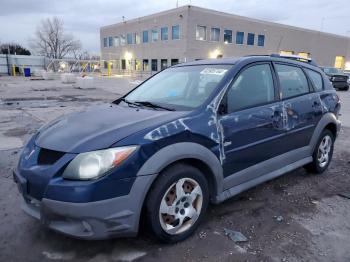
94	164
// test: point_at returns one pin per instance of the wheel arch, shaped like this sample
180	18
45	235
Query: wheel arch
328	121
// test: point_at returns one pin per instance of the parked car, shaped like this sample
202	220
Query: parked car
347	73
339	79
193	134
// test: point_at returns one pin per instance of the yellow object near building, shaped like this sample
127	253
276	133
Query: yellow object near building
286	53
339	62
304	55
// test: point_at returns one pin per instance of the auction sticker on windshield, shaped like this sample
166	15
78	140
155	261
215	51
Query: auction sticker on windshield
213	71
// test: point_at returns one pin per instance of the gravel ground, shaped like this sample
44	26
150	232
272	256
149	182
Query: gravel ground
297	217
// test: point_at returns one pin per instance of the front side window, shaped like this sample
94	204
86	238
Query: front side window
250	39
316	79
129	38
154	35
175	32
201	32
215	34
261	40
293	81
164	33
227	36
253	87
145	37
181	88
239	38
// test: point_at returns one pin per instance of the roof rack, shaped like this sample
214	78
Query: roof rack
295	58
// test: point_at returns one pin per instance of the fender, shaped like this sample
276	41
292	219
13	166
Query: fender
326	119
183	150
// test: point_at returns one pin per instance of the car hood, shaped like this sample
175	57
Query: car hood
99	127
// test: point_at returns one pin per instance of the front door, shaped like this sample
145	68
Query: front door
252	123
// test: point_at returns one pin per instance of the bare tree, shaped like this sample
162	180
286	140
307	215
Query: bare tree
51	40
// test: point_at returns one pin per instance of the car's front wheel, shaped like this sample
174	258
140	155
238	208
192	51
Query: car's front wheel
177	202
323	153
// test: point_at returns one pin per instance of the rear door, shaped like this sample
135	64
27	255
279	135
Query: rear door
252	124
301	105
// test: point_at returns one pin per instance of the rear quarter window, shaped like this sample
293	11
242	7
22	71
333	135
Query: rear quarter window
316	79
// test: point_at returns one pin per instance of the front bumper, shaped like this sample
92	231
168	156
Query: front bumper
115	217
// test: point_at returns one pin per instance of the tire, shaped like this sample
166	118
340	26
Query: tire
322	156
168	215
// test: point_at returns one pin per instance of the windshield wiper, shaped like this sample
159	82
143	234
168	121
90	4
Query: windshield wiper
129	102
152	105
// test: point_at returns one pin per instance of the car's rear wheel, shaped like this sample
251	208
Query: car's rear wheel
177	202
323	153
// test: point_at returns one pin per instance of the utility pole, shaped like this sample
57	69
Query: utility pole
7	60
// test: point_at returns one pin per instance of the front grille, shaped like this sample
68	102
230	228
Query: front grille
48	157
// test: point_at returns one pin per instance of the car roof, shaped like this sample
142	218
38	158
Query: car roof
252	58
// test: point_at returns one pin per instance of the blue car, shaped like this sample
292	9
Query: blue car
193	134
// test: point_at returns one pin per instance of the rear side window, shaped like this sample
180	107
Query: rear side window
254	86
316	79
292	80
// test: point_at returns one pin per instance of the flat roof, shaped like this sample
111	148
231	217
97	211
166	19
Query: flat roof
215	12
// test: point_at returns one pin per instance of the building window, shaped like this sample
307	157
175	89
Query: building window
175	32
116	41
239	38
215	34
250	39
201	32
129	39
145	36
174	61
137	64
164	33
105	64
261	40
110	41
123	64
227	36
163	64
105	41
154	64
154	35
145	65
122	40
136	38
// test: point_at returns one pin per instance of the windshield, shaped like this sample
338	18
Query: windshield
332	70
179	88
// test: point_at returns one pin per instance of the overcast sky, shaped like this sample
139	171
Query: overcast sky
83	18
